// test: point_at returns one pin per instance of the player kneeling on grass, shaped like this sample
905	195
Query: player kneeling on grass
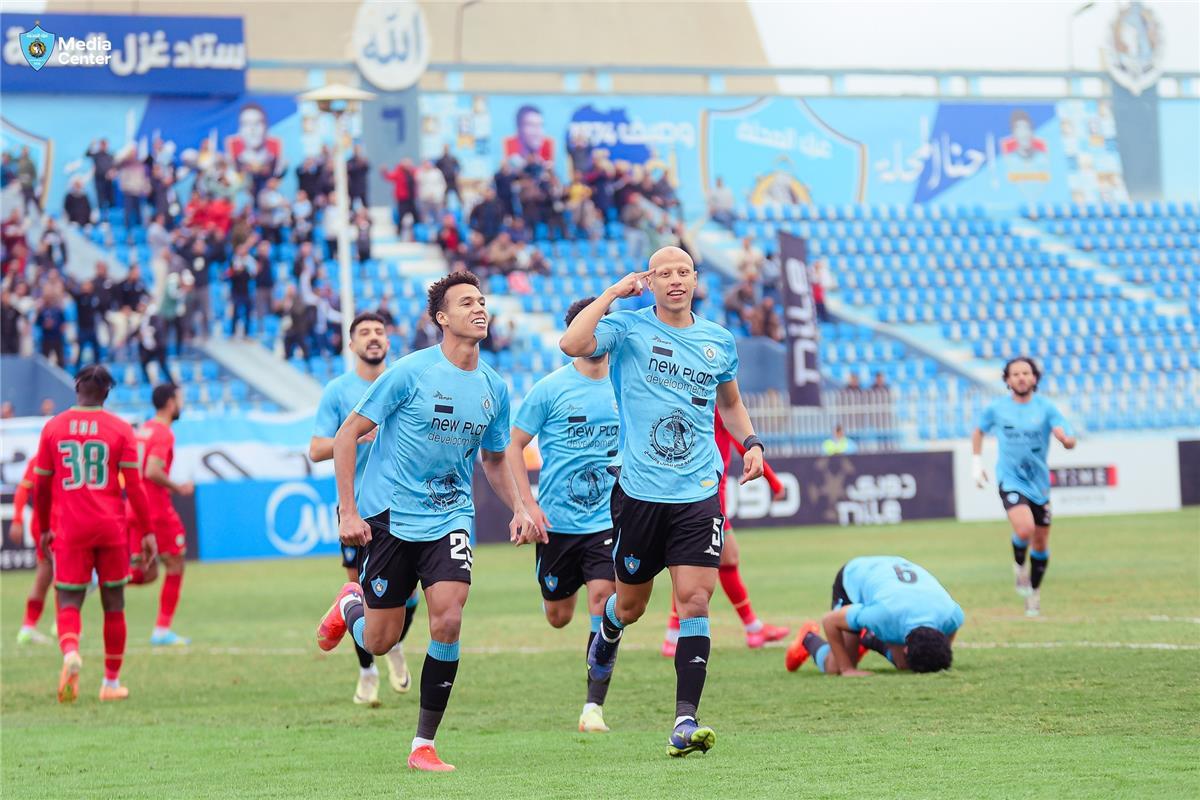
887	604
573	413
413	514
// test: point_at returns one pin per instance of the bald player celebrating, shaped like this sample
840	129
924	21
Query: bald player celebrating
669	368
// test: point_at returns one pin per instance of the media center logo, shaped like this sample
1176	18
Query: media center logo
37	45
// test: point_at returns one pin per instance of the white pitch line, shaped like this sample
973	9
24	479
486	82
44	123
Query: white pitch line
531	650
1162	618
1080	645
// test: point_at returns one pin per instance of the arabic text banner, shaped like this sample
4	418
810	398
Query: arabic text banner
772	150
111	54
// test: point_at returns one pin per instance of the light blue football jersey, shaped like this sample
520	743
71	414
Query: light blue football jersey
338	399
665	381
575	420
891	596
1023	432
433	417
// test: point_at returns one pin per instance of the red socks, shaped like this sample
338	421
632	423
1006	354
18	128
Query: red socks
114	643
33	612
169	599
68	629
735	590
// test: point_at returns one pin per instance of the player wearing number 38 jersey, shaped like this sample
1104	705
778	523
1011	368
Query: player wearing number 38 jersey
80	456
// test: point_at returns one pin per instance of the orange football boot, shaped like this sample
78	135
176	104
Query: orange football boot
333	625
425	759
796	653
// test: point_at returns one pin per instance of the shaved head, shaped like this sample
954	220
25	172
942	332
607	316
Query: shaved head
670	256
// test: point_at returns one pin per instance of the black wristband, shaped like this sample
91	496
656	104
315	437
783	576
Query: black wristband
754	441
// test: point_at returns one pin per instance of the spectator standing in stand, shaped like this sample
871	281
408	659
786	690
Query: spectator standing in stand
403	190
239	275
450	170
103	173
76	206
264	282
431	192
357	170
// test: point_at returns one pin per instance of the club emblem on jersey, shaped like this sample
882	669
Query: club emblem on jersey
379	587
487	404
710	352
349	552
632	564
551	582
1013	497
586	487
443	491
672	438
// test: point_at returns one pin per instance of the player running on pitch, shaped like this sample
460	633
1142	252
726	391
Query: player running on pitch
156	451
369	343
573	413
887	604
758	633
1023	423
435	409
669	368
44	574
81	452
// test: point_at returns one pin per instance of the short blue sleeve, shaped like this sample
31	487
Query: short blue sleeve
532	415
327	414
611	331
496	437
387	393
987	420
731	371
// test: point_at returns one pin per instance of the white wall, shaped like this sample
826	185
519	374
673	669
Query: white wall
1147	478
975	35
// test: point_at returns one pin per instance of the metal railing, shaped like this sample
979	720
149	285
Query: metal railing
868	418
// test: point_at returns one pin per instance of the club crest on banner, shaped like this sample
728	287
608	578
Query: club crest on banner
37	45
1134	47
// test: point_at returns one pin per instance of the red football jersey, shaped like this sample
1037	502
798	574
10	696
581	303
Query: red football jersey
23	495
81	453
156	440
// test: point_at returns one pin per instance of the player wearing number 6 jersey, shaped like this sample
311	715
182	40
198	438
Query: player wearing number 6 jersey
81	453
435	409
887	604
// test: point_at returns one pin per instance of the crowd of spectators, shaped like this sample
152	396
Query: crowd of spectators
203	216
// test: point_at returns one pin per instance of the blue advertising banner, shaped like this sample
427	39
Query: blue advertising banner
111	54
246	127
785	150
267	519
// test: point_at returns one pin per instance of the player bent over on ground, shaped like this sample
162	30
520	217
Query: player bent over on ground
369	344
573	414
1023	423
80	455
669	369
435	409
882	603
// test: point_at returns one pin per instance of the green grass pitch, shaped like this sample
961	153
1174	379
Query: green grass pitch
1098	698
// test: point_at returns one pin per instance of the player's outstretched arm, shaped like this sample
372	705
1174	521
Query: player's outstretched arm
737	422
522	528
1068	441
978	473
156	473
352	529
136	495
580	337
835	624
515	453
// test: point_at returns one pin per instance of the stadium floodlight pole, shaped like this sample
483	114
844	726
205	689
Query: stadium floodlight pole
341	101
